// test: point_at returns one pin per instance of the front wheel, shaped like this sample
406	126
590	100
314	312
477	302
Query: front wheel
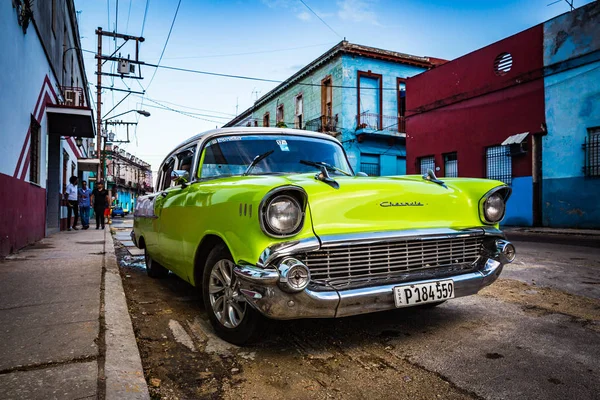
232	317
154	269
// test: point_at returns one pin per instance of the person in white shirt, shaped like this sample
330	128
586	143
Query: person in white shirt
72	203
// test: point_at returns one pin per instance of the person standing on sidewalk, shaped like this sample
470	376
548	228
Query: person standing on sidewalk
72	204
100	201
84	204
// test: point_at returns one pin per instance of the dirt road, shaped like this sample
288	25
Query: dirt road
530	335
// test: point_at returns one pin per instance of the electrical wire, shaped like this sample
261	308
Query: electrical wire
251	53
183	112
321	19
144	20
191	113
192	108
128	15
165	46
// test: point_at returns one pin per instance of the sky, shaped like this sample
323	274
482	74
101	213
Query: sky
269	39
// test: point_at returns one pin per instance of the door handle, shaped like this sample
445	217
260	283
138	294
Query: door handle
164	194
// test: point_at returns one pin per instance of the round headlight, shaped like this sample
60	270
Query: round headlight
283	215
494	208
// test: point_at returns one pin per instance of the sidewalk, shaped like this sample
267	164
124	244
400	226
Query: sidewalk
65	328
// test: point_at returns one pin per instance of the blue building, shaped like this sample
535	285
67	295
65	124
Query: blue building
571	148
355	93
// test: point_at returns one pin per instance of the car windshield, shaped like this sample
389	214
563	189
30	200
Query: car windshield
231	155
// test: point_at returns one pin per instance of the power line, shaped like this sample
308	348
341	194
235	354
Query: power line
250	78
183	112
128	15
165	46
316	15
191	113
249	53
193	108
144	20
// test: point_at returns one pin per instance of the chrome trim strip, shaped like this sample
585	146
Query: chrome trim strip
405	235
271	301
275	251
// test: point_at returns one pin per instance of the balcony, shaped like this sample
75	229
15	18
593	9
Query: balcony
324	123
378	124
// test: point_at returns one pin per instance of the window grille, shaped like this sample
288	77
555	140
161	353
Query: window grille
369	164
427	163
498	164
592	152
451	165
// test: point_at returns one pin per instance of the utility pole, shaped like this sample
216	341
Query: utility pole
101	59
99	102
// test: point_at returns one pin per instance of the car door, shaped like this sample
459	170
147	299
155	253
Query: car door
173	216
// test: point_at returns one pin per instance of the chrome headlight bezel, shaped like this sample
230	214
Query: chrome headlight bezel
296	196
501	192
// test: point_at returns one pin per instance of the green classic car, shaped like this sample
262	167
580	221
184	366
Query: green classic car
274	223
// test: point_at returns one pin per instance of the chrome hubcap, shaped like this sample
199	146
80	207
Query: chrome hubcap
227	303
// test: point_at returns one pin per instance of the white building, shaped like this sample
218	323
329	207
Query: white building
44	108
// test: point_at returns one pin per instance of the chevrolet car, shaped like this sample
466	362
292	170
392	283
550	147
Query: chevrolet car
275	223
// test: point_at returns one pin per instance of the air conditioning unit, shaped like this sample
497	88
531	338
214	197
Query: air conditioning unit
518	149
72	98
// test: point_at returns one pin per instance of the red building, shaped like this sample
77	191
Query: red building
460	114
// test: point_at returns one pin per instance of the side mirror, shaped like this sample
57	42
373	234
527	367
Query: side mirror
180	176
361	174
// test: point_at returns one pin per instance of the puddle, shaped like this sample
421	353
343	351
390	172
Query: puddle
133	262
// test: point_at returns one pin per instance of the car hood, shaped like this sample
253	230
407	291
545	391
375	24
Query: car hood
374	204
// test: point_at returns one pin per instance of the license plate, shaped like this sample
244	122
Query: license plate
422	293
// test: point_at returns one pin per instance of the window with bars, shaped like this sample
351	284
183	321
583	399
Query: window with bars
427	163
369	164
592	152
498	164
451	165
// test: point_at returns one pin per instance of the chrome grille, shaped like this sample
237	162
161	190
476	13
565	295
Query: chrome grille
344	265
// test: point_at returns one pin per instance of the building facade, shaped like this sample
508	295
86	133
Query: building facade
523	110
355	93
462	112
46	124
571	149
127	177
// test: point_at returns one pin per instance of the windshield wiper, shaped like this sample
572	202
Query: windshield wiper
256	160
320	164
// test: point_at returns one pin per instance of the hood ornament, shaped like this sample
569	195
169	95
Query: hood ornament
430	176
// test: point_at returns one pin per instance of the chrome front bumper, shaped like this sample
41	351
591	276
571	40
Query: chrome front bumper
260	287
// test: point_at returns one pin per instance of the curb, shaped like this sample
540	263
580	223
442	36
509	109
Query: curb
123	366
590	233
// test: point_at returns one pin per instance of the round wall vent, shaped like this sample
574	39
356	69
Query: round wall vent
503	64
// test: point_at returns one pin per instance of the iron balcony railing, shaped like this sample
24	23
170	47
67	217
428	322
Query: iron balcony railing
379	122
324	123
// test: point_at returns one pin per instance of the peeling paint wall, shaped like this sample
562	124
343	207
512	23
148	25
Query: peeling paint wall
343	70
572	100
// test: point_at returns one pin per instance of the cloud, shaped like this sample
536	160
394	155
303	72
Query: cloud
357	11
304	16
